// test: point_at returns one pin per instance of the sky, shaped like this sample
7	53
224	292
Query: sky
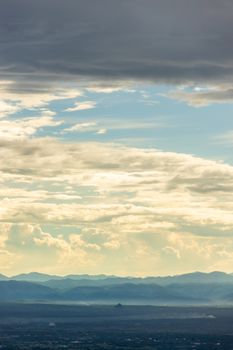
116	136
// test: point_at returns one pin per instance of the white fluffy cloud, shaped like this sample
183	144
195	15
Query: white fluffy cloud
25	127
14	99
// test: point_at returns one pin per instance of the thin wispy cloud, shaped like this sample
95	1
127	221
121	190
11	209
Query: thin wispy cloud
81	106
81	127
202	97
101	131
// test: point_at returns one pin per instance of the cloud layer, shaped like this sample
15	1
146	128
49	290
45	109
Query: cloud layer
160	41
109	203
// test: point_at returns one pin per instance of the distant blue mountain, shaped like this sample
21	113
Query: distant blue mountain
195	277
41	277
187	289
3	277
35	277
85	279
25	291
127	293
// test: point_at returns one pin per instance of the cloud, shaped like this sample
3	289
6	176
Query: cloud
107	89
16	98
81	106
26	127
102	206
225	139
7	108
138	190
81	127
103	126
101	131
161	41
202	97
85	127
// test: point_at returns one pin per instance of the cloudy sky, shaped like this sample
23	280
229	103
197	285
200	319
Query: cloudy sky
116	136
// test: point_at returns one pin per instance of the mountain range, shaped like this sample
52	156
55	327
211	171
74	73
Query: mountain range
194	277
188	289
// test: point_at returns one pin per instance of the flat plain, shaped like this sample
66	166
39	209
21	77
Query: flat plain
51	326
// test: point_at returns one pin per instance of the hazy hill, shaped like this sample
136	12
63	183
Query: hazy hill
67	283
212	292
193	288
41	277
28	291
91	277
133	293
195	277
126	292
192	278
24	291
3	277
35	277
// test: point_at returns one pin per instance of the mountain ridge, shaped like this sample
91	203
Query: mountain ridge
193	277
188	289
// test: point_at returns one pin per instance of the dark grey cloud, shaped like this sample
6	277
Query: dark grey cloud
175	41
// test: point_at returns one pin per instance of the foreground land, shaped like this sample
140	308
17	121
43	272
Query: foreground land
41	326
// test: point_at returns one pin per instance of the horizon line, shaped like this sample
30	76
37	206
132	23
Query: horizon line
113	275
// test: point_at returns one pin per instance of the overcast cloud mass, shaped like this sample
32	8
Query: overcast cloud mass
162	40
